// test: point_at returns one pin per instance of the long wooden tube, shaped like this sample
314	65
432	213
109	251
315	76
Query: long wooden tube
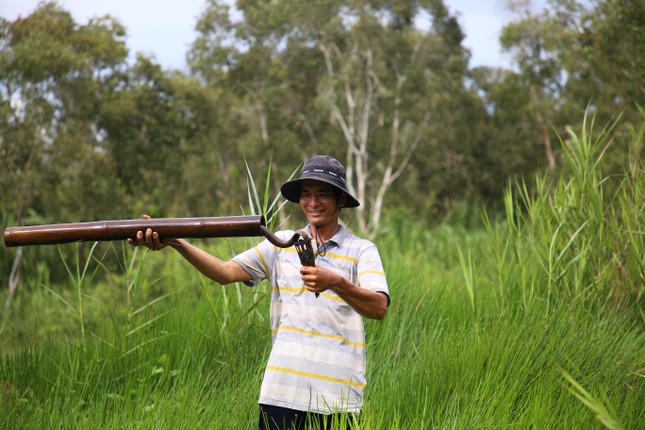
48	234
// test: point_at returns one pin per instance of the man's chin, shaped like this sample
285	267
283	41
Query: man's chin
316	222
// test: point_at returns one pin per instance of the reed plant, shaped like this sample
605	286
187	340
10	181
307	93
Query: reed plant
582	235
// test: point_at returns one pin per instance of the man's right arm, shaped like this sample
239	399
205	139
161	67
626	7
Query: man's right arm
223	272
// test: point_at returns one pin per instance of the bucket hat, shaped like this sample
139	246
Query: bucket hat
320	168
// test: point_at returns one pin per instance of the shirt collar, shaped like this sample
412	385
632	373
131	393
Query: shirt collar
336	239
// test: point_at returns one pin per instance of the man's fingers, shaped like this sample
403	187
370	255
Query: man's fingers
149	239
306	270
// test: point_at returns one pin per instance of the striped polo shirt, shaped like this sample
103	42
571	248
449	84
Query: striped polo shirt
317	362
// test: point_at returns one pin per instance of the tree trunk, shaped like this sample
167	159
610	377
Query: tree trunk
15	275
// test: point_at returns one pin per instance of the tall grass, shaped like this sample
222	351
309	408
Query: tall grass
578	240
534	321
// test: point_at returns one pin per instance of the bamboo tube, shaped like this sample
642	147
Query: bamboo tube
49	234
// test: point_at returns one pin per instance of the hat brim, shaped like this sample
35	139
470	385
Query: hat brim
291	191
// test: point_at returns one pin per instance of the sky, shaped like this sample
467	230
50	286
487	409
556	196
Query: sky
164	29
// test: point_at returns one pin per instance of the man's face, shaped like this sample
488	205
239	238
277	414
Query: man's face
320	202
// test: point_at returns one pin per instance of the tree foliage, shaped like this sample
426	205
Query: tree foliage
383	85
53	73
570	57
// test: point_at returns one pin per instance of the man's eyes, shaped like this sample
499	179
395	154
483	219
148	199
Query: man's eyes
319	194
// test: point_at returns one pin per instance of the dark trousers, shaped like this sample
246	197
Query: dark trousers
277	418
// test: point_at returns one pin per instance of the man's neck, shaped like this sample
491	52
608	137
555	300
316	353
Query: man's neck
324	233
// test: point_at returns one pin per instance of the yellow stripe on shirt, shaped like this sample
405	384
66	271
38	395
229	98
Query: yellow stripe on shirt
315	333
375	272
289	289
303	289
264	263
341	257
314	375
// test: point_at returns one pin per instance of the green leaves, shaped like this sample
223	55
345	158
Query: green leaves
605	414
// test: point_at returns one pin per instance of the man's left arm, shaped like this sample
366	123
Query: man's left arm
370	304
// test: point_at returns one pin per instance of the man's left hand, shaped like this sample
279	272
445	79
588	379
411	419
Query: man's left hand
318	279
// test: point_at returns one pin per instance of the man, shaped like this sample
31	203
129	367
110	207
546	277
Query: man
316	368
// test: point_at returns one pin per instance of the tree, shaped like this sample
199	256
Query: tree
365	64
573	57
612	51
52	74
533	40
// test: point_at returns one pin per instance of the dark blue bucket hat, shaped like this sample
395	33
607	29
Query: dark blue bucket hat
320	168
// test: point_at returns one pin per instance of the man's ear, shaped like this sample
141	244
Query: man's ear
342	200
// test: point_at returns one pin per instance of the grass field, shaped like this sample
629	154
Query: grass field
533	321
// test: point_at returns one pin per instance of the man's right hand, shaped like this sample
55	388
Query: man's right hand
223	272
149	238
